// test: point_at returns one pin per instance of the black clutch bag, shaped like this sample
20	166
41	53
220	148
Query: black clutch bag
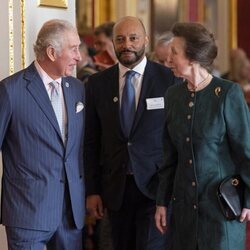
231	195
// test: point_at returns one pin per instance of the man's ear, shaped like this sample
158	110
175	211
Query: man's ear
146	41
51	53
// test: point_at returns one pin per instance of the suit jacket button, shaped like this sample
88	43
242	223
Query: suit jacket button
129	144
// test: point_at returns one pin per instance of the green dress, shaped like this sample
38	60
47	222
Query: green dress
206	138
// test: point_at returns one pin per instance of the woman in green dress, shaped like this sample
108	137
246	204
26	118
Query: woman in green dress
207	131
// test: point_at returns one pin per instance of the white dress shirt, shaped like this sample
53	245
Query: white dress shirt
136	80
47	80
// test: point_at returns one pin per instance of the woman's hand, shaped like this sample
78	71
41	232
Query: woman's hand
245	215
161	218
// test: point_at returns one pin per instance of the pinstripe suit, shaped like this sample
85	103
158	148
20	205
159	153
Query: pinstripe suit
36	164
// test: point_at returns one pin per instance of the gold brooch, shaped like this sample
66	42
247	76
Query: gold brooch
217	91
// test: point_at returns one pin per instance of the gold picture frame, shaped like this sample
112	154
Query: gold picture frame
233	11
54	3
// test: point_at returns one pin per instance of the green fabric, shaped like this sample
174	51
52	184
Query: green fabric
199	153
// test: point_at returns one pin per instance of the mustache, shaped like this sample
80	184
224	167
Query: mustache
118	54
126	50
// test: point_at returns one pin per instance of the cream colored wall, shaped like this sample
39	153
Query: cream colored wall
33	24
34	17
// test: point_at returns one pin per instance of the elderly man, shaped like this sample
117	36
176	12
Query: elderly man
41	138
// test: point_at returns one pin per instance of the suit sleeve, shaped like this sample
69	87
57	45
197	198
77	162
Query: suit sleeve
238	131
5	112
92	147
167	172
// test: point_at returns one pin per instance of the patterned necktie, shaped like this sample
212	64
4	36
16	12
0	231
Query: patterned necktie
56	102
128	104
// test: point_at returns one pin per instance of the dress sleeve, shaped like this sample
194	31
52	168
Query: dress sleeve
167	171
238	130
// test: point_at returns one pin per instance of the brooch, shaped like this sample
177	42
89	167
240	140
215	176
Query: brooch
217	91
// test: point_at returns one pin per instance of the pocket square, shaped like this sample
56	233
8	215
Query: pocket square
79	107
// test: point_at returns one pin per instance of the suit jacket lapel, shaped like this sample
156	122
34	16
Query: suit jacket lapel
37	89
113	79
70	110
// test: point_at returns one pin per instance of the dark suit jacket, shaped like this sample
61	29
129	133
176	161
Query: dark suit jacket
35	161
107	150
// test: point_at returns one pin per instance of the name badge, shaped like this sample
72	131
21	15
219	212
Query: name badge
155	103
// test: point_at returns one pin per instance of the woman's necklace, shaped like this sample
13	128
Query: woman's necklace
201	85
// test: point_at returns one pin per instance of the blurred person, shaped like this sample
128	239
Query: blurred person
125	111
242	76
244	79
239	71
236	55
206	139
162	49
85	67
41	138
103	43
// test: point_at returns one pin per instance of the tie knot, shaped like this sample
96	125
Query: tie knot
130	74
54	84
54	87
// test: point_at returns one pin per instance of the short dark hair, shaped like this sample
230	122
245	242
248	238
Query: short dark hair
200	43
106	28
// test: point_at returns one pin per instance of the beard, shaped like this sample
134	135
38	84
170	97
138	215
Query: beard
131	60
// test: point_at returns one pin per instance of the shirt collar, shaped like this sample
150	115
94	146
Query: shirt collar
139	68
44	76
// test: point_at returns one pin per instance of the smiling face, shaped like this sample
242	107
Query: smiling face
179	63
66	60
129	41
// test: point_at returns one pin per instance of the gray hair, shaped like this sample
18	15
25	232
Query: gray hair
164	38
51	34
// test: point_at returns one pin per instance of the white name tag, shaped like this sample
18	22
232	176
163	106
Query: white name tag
155	103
